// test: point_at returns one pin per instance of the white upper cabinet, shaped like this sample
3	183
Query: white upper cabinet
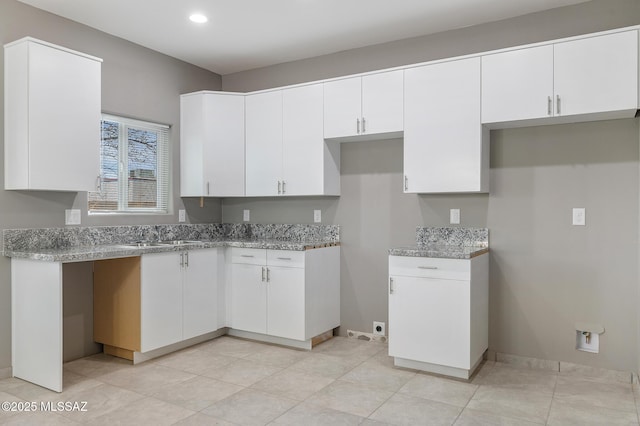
52	117
517	85
361	107
264	144
597	74
286	152
576	80
212	145
445	146
310	166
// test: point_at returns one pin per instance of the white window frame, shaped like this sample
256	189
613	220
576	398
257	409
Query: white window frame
163	172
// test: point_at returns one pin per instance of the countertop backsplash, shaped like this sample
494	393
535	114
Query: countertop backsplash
465	237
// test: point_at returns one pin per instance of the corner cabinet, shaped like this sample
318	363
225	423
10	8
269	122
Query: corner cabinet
439	313
570	81
52	117
285	150
446	148
282	294
359	108
212	145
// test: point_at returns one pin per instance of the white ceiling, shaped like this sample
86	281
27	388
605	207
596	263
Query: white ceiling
247	34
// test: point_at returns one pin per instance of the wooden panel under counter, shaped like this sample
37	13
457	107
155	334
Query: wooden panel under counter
116	305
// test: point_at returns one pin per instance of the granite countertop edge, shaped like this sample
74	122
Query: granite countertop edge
114	251
440	251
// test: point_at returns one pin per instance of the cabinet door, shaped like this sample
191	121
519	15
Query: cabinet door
286	303
263	143
224	146
342	107
192	141
429	321
517	85
382	98
248	298
161	300
64	120
443	139
597	74
302	140
200	293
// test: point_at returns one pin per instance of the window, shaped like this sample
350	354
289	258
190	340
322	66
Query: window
134	167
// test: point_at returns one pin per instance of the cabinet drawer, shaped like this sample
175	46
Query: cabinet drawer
452	269
248	256
291	258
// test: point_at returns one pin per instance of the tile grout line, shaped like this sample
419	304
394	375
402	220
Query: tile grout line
553	396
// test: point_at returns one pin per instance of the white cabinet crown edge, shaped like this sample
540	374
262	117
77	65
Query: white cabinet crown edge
436	61
53	46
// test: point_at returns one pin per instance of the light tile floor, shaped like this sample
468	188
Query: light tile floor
229	381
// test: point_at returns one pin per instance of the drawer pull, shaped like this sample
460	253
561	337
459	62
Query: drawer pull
283	258
427	267
246	255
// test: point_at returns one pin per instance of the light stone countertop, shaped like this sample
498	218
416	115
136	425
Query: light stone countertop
112	251
440	251
108	242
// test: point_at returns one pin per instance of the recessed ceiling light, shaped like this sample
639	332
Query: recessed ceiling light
198	18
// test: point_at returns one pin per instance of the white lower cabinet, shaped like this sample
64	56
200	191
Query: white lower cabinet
438	313
285	294
178	292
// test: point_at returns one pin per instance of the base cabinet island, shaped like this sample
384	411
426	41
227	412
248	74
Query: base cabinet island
170	291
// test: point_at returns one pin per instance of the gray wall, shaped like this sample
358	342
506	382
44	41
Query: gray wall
136	82
545	274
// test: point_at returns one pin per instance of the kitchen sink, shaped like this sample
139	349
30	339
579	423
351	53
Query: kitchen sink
178	242
141	244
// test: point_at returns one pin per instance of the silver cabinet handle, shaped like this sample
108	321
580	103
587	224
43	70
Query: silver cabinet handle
406	183
186	261
358	125
99	183
427	267
283	258
246	255
207	188
558	104
390	285
268	275
182	260
363	128
549	104
279	187
284	188
263	268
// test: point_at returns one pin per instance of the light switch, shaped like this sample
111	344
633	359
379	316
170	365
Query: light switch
454	216
72	217
317	216
246	215
182	215
579	216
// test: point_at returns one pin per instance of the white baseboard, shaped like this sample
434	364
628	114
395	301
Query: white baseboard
566	368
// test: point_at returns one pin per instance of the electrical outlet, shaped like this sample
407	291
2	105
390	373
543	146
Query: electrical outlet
182	215
317	216
378	328
72	217
246	215
579	216
454	216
